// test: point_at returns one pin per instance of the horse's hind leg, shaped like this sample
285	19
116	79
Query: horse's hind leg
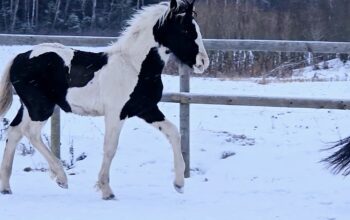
14	135
33	132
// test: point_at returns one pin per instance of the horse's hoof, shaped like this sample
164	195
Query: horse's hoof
62	185
179	189
6	192
110	197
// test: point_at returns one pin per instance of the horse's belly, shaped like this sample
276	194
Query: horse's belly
86	100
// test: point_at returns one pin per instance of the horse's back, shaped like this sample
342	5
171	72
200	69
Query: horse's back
64	52
43	76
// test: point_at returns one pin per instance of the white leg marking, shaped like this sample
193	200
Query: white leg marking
13	137
173	135
112	130
33	132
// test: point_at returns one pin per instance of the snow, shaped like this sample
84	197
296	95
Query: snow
336	71
273	173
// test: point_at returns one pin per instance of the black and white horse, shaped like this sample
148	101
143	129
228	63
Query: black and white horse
122	82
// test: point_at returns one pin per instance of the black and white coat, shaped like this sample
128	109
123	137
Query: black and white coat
122	82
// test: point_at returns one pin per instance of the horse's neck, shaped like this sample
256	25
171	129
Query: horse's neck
135	49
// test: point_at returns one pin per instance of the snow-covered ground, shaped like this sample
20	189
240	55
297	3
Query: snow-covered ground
336	71
253	163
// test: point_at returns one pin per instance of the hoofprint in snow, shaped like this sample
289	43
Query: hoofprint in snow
247	162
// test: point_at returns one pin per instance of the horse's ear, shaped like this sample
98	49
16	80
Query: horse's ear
173	4
189	9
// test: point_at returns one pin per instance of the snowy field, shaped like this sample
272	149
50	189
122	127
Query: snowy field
248	163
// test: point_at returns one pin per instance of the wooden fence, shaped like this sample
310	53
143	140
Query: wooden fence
184	98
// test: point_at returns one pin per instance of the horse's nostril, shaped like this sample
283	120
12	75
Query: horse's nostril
203	61
199	66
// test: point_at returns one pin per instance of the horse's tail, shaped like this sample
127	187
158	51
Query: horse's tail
340	160
6	92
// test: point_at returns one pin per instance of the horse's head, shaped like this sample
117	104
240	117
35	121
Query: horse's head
180	33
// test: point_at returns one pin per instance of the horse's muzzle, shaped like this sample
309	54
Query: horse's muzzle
202	63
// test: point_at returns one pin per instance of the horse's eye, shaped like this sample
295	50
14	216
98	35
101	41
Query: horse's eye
185	31
194	14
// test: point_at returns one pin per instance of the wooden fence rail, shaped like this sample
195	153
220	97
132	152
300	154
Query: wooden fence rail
210	44
184	98
292	102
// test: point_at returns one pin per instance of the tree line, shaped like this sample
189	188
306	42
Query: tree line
249	19
319	20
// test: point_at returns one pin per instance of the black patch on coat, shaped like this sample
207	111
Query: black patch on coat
42	82
148	91
152	115
18	119
83	67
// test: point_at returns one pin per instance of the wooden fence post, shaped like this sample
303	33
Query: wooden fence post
56	133
184	72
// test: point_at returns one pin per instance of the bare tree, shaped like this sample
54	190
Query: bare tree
33	12
57	11
4	15
27	13
37	13
66	8
111	8
93	16
83	4
14	16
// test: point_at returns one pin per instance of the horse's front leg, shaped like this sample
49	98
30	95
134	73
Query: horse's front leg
156	118
113	127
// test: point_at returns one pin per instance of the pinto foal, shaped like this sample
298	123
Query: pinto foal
122	82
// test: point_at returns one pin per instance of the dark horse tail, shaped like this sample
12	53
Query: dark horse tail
340	160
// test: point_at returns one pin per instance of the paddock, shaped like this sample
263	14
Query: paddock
272	172
184	98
